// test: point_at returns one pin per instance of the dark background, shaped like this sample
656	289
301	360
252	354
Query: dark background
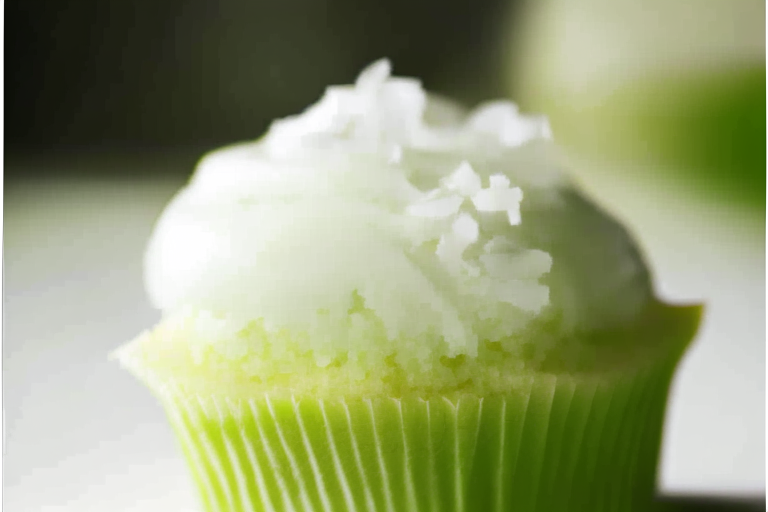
185	76
124	76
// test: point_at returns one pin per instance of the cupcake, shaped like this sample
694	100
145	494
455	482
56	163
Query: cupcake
389	303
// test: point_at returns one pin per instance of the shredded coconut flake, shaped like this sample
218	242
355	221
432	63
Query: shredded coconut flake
528	295
498	200
465	229
374	75
464	232
503	121
464	180
498	181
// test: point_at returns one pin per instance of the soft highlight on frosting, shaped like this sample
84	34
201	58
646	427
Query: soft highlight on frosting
383	209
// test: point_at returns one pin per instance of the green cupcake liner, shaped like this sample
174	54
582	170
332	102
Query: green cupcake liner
555	443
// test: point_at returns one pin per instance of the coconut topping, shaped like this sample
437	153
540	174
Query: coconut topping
378	197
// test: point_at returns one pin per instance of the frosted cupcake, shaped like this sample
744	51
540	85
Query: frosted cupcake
390	304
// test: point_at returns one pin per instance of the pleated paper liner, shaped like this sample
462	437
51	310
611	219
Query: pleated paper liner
550	442
559	444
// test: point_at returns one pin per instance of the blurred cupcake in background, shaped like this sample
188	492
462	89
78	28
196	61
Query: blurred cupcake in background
670	84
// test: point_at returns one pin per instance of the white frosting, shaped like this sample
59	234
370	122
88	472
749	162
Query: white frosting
377	190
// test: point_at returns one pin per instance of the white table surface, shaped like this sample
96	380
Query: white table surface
82	435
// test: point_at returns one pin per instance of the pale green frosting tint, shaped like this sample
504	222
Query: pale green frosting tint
383	222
